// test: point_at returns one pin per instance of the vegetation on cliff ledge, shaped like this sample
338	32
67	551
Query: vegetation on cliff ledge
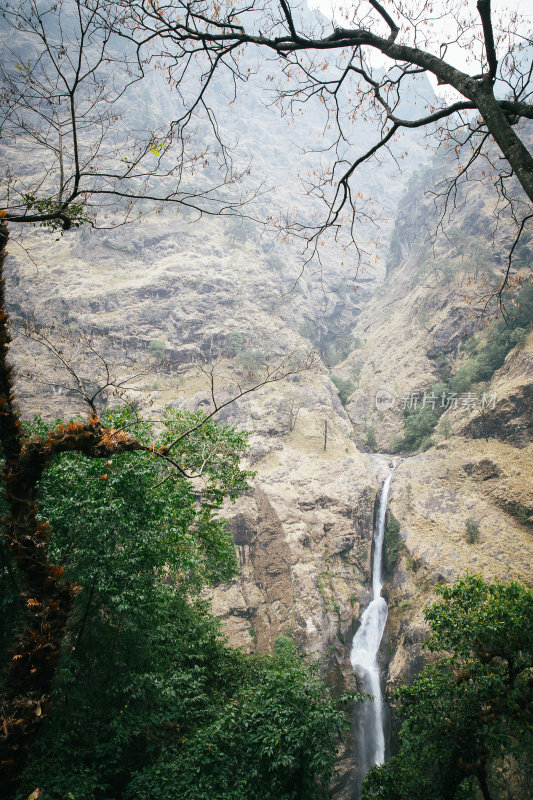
469	713
484	357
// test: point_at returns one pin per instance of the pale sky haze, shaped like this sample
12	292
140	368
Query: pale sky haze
455	55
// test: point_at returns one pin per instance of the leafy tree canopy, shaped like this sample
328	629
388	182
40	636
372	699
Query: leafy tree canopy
148	700
470	708
141	516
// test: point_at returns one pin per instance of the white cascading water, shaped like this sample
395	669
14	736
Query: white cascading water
370	735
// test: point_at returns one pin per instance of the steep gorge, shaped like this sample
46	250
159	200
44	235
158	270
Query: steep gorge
213	290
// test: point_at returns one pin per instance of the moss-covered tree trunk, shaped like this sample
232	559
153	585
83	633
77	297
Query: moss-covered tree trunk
47	599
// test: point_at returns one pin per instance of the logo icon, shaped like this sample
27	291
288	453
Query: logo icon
384	400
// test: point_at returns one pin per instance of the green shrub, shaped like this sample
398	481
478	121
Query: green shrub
420	423
392	542
233	343
472	530
344	387
252	361
519	336
283	644
157	348
370	440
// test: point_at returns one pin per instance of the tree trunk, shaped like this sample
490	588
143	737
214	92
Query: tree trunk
512	147
482	778
47	600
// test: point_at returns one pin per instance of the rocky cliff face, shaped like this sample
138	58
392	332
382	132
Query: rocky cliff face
508	417
422	318
419	323
164	299
433	495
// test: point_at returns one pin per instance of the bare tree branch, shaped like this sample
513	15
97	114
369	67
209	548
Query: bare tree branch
334	65
61	102
291	364
394	29
483	7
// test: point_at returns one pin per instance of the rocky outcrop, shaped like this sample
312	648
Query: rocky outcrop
432	496
304	538
507	416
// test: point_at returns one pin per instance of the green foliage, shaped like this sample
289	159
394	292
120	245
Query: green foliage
93	506
149	701
74	212
138	678
488	356
392	542
518	336
522	513
470	708
419	425
442	364
472	530
476	618
370	438
344	387
274	740
234	343
321	588
252	361
157	348
184	716
283	643
521	308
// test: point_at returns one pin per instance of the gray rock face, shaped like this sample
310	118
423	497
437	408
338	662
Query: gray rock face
304	540
169	299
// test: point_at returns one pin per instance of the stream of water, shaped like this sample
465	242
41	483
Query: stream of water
370	735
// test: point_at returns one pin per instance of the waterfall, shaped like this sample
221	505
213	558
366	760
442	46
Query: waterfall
370	734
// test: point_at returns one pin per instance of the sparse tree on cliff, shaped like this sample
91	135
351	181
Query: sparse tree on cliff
480	122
